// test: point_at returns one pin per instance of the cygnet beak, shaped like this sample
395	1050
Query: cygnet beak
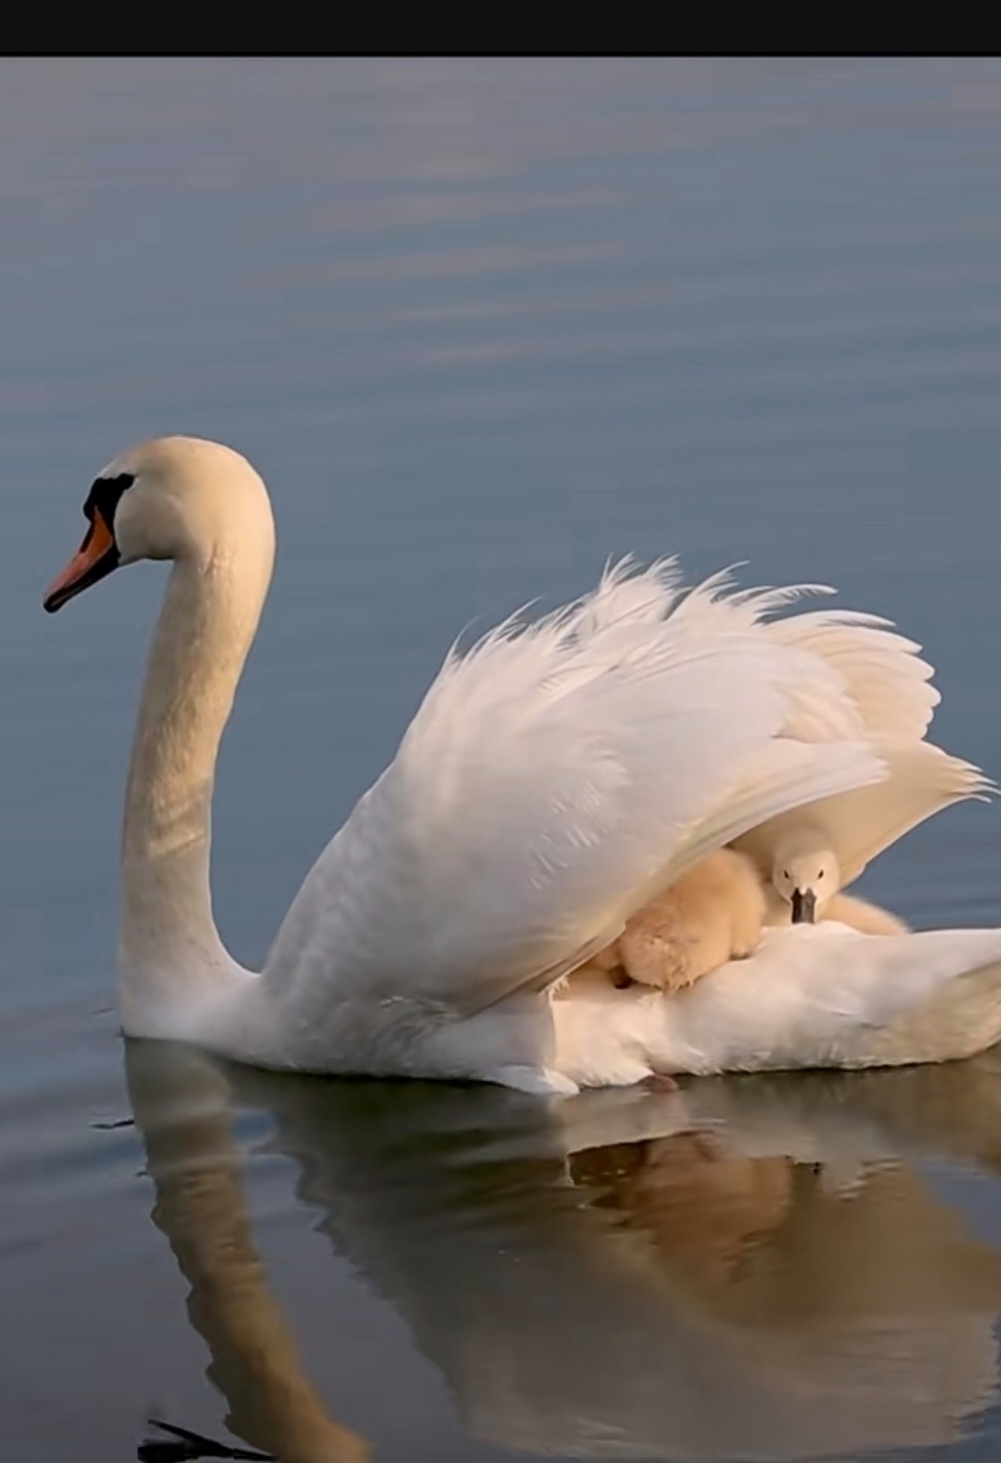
804	906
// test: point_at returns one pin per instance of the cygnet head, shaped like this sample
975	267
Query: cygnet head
805	872
176	498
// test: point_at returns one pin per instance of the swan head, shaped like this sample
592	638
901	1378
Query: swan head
806	874
178	498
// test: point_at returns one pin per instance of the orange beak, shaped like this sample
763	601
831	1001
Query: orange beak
96	557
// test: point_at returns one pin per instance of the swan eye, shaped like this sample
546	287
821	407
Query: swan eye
821	874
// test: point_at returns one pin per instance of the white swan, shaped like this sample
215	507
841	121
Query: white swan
554	779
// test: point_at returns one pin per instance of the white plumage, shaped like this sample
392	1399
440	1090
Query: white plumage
889	686
556	777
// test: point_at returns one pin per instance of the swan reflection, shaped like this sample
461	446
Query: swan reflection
744	1268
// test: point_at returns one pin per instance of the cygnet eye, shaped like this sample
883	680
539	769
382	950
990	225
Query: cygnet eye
785	873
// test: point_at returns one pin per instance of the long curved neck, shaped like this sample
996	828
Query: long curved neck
170	948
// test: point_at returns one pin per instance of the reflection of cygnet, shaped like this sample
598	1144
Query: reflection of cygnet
712	914
806	886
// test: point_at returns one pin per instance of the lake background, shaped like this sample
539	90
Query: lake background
480	324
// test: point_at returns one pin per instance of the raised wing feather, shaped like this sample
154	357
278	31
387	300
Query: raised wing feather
554	777
890	701
859	824
888	681
881	671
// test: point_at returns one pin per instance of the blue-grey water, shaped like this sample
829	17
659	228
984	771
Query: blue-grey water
482	325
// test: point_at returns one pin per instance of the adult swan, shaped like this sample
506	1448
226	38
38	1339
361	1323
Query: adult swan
555	778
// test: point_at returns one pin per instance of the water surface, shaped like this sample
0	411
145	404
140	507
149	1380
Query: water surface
481	325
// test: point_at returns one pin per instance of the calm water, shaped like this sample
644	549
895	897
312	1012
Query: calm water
482	325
